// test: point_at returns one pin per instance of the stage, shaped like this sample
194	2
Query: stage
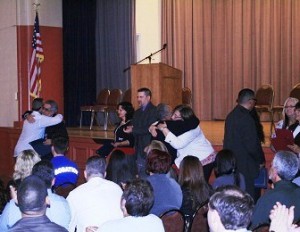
84	143
213	130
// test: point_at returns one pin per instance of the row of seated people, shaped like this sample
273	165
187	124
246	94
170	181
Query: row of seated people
190	191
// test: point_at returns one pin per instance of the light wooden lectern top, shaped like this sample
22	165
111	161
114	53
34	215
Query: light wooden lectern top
164	81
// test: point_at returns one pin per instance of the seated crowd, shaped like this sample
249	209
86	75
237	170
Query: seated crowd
170	169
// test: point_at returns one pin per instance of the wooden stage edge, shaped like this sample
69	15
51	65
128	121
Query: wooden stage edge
85	142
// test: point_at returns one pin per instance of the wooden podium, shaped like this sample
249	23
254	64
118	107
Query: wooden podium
164	81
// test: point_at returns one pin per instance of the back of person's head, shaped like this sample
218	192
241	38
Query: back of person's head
286	164
156	144
245	95
44	170
158	162
60	145
139	197
127	106
234	207
186	112
53	104
121	168
31	195
164	111
191	177
225	162
24	163
146	91
95	166
37	104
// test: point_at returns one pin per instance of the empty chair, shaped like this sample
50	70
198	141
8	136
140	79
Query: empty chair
173	221
264	100
127	96
199	220
186	96
101	100
113	99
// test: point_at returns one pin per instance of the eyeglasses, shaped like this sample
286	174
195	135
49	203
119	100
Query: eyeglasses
286	107
46	109
253	99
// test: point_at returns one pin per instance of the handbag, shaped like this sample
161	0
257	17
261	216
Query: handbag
262	180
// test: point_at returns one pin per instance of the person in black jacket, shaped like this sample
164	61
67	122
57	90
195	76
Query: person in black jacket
242	136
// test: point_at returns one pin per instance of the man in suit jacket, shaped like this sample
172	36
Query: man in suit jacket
242	137
142	119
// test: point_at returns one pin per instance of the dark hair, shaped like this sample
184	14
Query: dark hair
95	165
44	170
37	104
121	168
31	195
297	106
245	95
234	207
186	112
3	196
164	111
127	106
191	177
158	161
60	144
139	197
53	104
226	165
146	91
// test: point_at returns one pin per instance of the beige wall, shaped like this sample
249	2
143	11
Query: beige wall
148	17
12	14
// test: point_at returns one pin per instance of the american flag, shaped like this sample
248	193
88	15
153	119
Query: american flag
37	57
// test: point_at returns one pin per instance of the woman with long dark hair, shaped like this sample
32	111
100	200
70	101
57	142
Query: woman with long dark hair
195	189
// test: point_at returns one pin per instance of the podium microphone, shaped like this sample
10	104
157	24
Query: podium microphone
165	45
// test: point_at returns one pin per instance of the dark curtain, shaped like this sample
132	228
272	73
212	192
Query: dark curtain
115	43
79	18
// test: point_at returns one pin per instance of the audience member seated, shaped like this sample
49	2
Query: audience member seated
195	189
58	212
296	131
33	201
97	200
65	170
125	112
155	144
137	200
226	171
36	130
282	219
288	114
121	168
167	192
192	142
23	167
283	169
230	209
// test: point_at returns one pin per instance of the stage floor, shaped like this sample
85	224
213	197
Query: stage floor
213	130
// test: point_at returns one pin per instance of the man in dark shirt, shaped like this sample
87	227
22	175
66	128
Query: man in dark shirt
243	138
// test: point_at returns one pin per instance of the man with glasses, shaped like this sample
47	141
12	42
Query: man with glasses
43	146
36	130
242	136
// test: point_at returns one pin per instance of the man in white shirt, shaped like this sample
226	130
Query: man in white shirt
35	130
96	201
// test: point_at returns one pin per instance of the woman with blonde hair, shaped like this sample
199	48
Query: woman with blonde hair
288	113
155	144
24	163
